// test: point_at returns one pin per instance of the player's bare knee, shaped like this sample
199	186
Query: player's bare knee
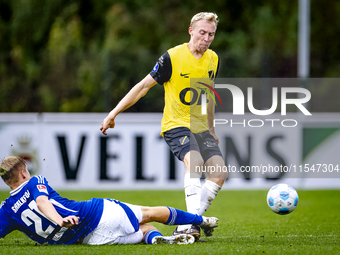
215	169
147	214
220	176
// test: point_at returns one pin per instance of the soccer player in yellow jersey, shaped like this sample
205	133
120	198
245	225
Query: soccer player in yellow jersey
192	140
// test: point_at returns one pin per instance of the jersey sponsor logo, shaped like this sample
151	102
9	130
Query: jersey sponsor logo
42	188
155	68
185	75
195	96
208	92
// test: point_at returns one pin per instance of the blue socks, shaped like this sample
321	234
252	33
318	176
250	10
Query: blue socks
176	217
179	217
150	235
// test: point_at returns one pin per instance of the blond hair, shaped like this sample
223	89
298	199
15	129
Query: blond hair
207	16
9	168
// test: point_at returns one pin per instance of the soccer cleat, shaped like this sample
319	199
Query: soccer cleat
208	225
194	230
178	239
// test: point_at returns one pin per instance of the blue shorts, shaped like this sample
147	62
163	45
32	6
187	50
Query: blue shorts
181	140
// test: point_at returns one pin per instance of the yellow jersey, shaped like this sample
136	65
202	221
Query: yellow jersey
184	79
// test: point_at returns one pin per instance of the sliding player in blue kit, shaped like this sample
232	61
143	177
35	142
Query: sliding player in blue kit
38	211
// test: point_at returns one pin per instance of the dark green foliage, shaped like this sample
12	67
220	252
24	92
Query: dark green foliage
84	55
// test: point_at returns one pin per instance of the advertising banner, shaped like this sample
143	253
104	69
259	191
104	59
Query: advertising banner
70	151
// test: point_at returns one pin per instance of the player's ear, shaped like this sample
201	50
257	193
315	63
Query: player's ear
23	172
190	30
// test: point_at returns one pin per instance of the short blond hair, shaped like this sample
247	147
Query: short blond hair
10	167
207	16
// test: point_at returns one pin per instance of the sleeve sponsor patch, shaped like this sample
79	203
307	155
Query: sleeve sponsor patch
162	71
42	188
155	69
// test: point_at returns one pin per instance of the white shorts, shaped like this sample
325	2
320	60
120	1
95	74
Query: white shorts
115	227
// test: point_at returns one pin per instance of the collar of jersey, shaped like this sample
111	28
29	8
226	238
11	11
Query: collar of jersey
17	190
190	53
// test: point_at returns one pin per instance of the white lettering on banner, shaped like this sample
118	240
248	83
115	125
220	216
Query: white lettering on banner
74	155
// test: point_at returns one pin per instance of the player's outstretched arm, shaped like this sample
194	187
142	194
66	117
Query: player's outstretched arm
46	207
138	91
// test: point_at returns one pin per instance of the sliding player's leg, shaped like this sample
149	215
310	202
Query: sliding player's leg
173	216
151	235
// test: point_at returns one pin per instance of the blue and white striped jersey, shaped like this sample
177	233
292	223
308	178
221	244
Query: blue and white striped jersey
20	212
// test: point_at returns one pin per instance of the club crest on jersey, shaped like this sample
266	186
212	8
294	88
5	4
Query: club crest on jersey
183	140
42	188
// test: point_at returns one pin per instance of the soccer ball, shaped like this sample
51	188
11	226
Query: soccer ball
282	199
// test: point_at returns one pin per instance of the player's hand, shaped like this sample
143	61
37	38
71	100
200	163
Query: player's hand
109	122
215	137
70	221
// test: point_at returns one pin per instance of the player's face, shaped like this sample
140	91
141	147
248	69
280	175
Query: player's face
202	34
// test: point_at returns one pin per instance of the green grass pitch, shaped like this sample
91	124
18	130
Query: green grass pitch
246	226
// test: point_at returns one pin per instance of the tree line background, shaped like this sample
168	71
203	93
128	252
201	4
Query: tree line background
85	55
